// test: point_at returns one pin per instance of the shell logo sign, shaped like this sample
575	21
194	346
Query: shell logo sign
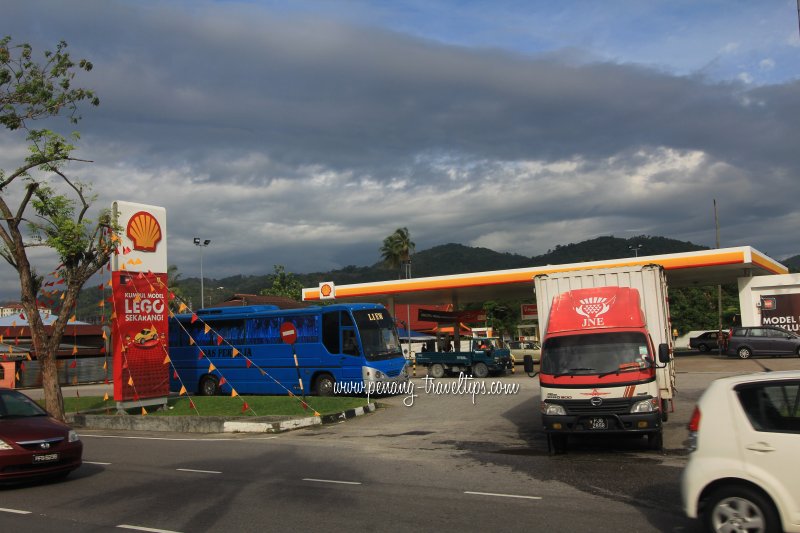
144	231
327	290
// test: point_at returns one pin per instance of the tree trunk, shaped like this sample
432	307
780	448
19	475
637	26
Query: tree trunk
53	399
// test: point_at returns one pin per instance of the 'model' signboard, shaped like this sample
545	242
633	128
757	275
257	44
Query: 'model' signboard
140	316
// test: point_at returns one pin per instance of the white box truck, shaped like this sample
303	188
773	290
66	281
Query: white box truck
606	363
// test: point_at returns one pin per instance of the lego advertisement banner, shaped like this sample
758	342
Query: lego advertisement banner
141	334
139	325
781	310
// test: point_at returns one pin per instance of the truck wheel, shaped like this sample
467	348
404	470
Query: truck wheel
480	370
703	348
437	370
664	410
209	386
323	385
740	508
744	352
655	441
557	444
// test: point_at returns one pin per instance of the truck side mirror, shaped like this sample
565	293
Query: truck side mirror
663	353
527	363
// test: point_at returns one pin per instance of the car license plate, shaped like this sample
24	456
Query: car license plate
598	423
45	458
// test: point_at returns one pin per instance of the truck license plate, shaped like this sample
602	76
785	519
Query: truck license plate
46	458
598	423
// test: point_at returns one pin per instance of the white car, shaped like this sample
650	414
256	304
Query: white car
743	473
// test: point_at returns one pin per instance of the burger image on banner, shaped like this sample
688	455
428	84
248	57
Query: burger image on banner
140	314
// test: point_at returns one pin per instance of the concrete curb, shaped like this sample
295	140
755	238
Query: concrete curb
210	424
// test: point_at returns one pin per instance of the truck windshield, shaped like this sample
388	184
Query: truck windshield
596	353
378	334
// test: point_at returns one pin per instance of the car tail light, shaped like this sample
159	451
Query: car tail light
694	423
693	427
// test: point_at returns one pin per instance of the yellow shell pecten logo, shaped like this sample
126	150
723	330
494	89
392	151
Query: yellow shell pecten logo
145	231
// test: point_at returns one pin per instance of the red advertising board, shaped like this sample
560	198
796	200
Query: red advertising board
529	311
141	333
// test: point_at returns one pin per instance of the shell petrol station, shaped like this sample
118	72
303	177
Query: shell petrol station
707	267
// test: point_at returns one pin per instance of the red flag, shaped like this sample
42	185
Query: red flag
222	381
219	340
245	407
191	404
249	363
175	374
305	405
73	364
194	318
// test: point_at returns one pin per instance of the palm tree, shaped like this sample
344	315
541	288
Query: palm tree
396	251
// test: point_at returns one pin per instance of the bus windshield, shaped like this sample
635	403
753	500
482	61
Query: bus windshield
597	353
378	334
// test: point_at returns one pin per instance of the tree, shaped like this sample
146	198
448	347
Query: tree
34	212
284	284
397	249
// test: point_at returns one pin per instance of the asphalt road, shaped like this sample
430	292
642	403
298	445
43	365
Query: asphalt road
449	462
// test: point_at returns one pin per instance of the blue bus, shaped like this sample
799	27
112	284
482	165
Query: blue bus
354	347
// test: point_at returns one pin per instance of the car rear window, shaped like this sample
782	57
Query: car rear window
739	332
772	406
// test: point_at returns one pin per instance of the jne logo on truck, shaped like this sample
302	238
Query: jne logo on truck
592	308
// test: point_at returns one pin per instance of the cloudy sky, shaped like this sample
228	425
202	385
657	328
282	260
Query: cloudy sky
303	132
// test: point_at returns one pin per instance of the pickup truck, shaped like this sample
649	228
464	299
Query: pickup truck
485	357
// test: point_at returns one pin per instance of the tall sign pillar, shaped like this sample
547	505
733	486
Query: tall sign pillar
139	323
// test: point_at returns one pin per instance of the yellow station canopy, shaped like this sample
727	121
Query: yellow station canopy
706	267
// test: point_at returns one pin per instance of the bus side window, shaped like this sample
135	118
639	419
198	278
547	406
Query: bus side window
330	331
349	342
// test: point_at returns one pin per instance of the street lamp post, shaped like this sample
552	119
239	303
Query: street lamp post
202	244
635	249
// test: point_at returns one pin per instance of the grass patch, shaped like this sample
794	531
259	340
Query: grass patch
228	406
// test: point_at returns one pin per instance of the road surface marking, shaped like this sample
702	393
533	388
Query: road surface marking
95	463
503	495
140	528
332	481
198	471
15	511
165	438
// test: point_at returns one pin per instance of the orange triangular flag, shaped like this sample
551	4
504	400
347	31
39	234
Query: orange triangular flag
191	341
130	381
105	365
211	367
182	391
74	350
105	337
105	398
72	318
316	413
144	411
207	328
166	359
234	394
182	308
234	353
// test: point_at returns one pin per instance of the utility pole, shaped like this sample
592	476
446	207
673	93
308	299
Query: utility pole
719	287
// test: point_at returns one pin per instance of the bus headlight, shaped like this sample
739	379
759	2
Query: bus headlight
645	406
553	409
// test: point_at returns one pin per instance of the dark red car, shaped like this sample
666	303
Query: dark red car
32	444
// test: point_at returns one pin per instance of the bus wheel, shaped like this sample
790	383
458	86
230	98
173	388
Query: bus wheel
437	370
480	370
323	385
209	386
